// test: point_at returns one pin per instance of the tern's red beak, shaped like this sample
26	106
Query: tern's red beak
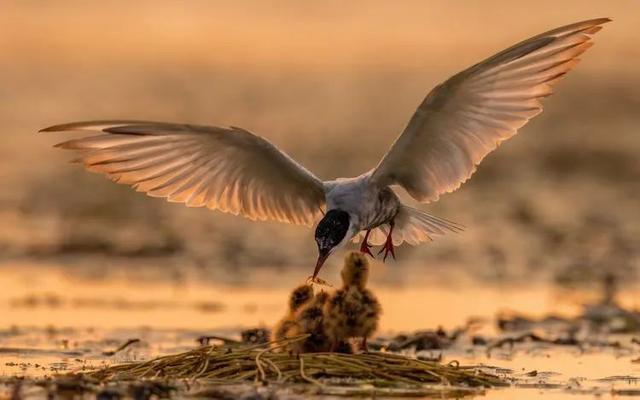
322	257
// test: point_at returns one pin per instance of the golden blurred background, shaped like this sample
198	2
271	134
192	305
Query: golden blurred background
332	83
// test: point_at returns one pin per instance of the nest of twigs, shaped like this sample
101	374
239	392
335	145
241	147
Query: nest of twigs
267	363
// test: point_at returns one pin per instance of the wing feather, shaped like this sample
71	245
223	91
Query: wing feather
229	169
469	115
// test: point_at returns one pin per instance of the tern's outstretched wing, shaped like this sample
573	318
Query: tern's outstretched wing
466	117
228	169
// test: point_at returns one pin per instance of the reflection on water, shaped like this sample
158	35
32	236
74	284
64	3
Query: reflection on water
54	297
52	320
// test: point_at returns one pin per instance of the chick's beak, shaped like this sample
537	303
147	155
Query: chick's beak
322	257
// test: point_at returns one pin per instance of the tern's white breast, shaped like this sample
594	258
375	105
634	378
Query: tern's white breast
354	195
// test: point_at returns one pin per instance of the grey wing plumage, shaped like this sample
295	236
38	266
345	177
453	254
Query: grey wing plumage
466	117
228	169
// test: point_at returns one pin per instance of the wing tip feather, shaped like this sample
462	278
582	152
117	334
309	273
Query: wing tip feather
95	124
70	126
53	128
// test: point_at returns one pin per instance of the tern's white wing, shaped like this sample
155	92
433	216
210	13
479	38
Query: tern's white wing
227	169
466	117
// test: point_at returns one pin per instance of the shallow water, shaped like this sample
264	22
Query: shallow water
54	320
54	296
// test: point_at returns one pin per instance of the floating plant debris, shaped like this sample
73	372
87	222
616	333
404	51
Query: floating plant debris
121	347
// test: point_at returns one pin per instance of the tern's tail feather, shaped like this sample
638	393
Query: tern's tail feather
412	226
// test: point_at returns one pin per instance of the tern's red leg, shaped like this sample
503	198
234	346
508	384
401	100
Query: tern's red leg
365	247
388	244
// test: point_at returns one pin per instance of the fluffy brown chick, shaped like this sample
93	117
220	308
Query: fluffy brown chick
298	298
353	310
310	319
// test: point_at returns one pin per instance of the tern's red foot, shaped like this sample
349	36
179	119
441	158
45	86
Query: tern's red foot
365	247
387	249
388	246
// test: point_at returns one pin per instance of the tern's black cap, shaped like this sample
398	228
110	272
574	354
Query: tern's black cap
332	229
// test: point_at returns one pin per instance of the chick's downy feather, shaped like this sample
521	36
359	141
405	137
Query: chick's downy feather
353	310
